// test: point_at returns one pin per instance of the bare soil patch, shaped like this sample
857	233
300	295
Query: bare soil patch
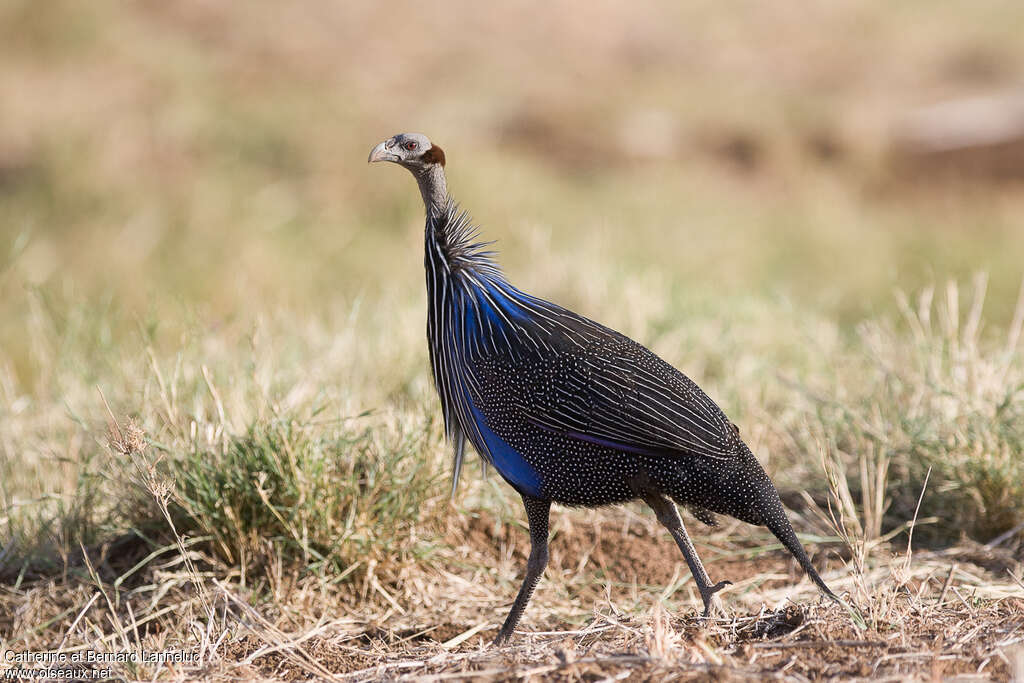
812	641
616	602
590	622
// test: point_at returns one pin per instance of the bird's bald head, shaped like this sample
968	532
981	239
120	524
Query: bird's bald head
412	150
426	162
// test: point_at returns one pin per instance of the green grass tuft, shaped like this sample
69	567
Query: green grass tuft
933	394
324	496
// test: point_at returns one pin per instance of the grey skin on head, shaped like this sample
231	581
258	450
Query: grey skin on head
567	410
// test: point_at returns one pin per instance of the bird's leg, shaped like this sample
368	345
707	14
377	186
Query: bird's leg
537	514
669	517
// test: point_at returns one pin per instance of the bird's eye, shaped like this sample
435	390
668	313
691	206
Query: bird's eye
411	145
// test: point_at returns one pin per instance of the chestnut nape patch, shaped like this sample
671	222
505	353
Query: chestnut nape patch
434	155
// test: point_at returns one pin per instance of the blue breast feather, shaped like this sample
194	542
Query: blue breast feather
503	295
509	463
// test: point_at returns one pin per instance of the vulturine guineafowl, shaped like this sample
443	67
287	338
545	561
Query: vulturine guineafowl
567	410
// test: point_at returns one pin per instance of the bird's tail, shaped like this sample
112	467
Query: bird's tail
767	508
783	530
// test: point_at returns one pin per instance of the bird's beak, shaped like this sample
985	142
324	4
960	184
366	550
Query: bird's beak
381	153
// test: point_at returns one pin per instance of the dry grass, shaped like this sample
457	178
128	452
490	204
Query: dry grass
191	228
309	545
937	614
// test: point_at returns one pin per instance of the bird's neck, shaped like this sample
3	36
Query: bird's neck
434	189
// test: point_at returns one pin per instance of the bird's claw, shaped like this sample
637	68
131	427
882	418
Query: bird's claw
707	594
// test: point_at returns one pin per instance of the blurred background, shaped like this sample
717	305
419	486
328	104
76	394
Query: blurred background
699	175
200	155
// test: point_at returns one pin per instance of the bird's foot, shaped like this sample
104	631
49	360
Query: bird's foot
708	593
501	638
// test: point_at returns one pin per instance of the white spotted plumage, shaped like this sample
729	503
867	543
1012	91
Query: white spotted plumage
566	409
513	363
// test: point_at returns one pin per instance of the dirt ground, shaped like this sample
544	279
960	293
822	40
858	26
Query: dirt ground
808	641
604	611
796	642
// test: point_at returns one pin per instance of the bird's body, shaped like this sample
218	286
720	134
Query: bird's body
565	409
